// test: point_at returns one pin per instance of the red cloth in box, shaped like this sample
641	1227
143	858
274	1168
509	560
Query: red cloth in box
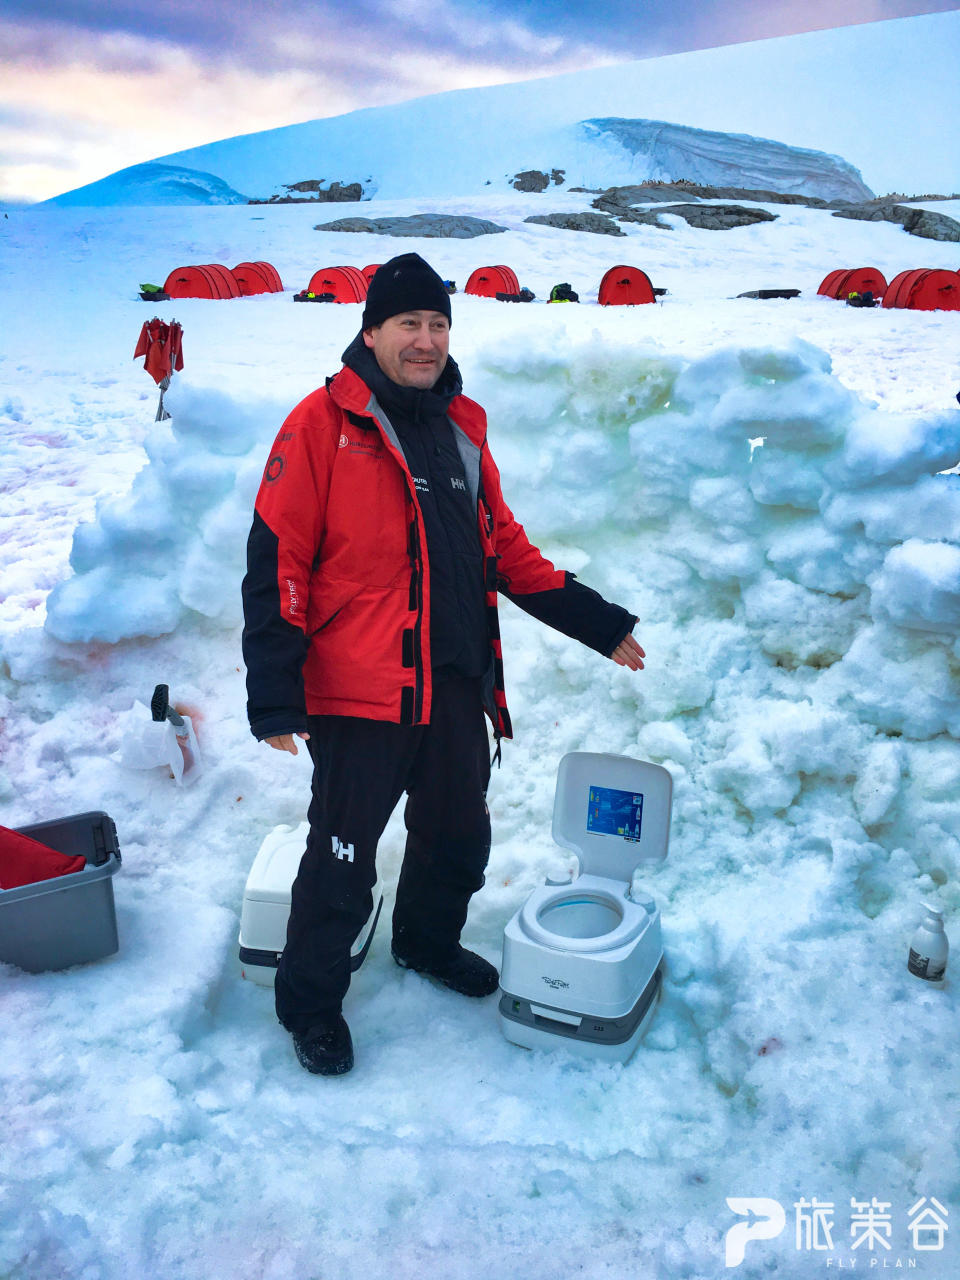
25	861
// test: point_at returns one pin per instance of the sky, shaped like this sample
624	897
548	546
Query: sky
88	88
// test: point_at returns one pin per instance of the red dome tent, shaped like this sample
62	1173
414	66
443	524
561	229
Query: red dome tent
625	287
257	277
844	281
210	281
924	290
369	272
347	284
487	282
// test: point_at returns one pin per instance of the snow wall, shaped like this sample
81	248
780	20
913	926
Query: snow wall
771	530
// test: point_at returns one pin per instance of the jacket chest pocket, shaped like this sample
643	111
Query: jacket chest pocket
367	517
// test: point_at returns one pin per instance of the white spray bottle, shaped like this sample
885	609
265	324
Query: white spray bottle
929	946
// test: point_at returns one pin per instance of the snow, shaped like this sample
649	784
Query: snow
873	96
661	152
153	184
760	482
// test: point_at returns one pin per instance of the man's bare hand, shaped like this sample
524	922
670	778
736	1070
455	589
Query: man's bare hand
629	654
285	742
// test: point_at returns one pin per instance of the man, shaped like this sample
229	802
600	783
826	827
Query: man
379	542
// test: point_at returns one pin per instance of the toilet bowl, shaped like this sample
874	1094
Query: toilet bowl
589	914
582	956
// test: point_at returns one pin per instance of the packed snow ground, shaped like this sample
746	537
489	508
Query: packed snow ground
799	602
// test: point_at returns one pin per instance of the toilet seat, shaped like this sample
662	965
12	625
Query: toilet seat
586	890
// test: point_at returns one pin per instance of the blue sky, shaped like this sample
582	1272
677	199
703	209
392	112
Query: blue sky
89	87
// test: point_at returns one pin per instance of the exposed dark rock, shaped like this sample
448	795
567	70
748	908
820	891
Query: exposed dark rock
718	217
918	222
599	223
312	191
530	180
709	217
449	226
646	217
621	202
664	192
536	179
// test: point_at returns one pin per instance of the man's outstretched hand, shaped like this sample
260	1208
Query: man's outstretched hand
629	654
285	741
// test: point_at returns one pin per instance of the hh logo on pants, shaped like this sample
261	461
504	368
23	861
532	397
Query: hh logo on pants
343	850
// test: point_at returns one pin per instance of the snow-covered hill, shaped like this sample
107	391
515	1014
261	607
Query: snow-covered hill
884	96
153	184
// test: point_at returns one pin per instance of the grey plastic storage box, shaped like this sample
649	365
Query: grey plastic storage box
70	919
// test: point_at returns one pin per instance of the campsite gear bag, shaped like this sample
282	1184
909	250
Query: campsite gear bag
68	918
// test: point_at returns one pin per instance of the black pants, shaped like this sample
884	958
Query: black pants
360	770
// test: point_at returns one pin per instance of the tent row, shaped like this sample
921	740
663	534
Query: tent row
917	290
216	281
350	284
621	285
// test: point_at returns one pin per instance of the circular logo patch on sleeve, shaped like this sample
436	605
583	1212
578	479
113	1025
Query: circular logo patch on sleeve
274	469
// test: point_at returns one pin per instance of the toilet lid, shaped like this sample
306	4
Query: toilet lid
612	811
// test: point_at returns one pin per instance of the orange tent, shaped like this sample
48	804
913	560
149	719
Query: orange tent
210	281
347	284
844	281
625	287
487	282
924	290
257	277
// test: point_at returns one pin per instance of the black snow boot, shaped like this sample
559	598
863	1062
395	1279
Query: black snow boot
467	973
325	1049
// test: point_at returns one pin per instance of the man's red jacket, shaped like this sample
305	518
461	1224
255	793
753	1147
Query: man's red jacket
337	592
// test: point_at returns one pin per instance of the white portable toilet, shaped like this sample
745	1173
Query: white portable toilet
582	957
266	906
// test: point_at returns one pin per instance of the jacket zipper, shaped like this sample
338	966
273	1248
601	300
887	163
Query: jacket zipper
323	625
416	585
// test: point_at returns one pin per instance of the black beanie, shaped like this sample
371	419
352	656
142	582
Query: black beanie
405	283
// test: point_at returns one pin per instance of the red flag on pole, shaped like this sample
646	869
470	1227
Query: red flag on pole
161	345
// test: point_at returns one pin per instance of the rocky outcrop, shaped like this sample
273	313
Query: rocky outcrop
918	222
536	179
709	217
660	150
312	191
718	217
664	192
621	202
447	226
598	223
